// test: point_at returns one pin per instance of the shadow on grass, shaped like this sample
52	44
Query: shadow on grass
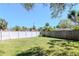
63	48
53	43
62	42
35	51
1	52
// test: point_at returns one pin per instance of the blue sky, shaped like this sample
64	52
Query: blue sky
15	14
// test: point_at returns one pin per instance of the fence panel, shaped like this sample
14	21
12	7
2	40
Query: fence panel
5	35
66	34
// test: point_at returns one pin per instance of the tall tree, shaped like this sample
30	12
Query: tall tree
3	24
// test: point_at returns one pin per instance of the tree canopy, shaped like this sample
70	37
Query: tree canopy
19	28
56	8
3	24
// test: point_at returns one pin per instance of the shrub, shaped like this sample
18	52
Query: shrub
76	27
48	29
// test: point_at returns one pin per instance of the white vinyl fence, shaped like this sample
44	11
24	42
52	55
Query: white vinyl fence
5	35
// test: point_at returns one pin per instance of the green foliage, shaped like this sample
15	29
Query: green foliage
47	27
35	51
50	29
3	24
23	28
19	28
64	24
74	16
40	29
76	27
30	29
56	8
47	24
16	28
28	6
34	27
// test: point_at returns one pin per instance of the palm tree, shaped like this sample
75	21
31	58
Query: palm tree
56	8
74	16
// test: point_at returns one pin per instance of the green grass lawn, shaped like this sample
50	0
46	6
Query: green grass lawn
12	47
52	45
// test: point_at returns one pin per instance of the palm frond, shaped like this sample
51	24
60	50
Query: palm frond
28	6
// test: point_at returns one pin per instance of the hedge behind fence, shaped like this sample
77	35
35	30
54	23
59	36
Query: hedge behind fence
66	34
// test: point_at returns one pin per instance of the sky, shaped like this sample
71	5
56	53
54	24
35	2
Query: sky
16	14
